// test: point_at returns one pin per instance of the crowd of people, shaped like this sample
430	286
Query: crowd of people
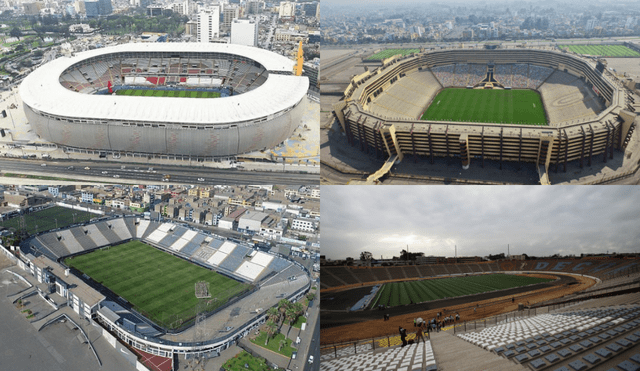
521	76
460	74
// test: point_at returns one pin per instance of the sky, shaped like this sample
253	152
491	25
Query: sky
480	220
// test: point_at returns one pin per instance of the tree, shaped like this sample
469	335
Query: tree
311	296
15	32
273	314
281	343
365	255
270	329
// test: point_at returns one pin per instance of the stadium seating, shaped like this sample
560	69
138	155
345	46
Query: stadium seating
108	233
413	357
69	240
579	339
342	275
122	227
96	235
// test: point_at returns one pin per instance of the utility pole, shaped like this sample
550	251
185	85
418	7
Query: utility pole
508	253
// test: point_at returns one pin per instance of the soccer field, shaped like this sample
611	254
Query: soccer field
412	292
490	106
383	54
602	50
47	219
168	93
159	285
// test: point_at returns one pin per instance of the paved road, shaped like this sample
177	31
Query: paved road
137	173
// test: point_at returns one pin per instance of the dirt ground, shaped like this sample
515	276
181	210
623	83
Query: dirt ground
486	308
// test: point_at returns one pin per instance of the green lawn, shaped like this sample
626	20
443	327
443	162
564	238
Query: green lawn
412	292
602	50
46	219
383	54
490	106
300	321
243	358
168	93
159	285
273	344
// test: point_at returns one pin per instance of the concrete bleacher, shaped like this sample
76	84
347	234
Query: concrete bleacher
49	242
96	235
171	235
578	338
413	357
81	236
408	96
141	228
234	258
221	254
193	244
69	241
566	98
108	233
159	233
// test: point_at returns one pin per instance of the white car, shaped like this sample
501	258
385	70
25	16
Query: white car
201	179
310	359
116	176
105	172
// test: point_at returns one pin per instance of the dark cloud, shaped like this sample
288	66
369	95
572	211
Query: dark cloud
537	221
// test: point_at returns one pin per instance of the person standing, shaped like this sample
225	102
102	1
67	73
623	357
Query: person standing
403	336
419	335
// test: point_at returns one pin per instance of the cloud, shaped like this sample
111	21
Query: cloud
479	220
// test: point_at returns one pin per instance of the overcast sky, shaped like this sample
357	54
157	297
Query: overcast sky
480	220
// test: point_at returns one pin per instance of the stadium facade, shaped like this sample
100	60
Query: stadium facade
567	137
68	101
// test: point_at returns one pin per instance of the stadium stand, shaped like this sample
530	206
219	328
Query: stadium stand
96	235
68	239
576	338
342	275
142	227
412	357
108	233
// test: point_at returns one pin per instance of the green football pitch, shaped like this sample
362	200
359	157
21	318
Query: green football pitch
168	93
47	219
159	285
412	292
602	50
490	106
383	54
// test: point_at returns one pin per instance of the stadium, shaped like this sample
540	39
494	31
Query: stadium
165	290
525	105
200	100
546	314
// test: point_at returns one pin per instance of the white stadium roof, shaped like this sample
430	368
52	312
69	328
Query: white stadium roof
42	91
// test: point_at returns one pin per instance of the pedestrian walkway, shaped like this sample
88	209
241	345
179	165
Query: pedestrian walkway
453	353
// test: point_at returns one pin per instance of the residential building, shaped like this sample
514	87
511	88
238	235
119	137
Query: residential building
208	25
244	32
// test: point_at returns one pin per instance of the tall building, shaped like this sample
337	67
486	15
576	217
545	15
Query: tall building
208	25
230	13
244	32
140	3
186	7
591	24
287	11
311	9
254	6
96	8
